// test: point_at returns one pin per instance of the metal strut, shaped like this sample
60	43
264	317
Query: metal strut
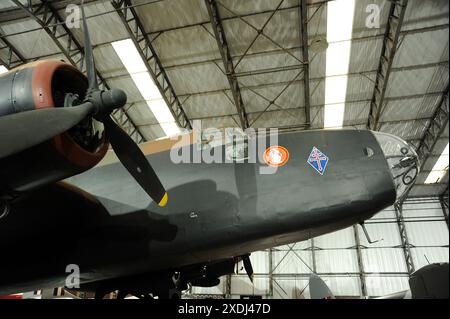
366	233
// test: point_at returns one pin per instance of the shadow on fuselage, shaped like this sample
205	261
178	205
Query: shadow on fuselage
199	204
59	225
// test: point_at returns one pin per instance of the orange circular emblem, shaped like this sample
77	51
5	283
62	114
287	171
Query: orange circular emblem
276	156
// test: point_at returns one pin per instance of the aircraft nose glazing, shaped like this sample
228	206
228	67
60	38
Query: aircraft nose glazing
403	162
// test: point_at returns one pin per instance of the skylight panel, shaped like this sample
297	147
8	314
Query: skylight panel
128	54
339	34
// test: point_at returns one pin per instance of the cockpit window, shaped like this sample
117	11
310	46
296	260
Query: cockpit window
402	160
234	139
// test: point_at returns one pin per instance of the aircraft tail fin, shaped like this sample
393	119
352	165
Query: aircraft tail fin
318	289
430	282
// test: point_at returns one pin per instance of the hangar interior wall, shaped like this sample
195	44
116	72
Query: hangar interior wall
409	238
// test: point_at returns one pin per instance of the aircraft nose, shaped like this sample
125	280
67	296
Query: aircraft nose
403	162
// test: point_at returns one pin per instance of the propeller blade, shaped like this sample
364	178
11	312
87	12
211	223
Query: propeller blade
89	53
248	266
126	149
20	131
131	156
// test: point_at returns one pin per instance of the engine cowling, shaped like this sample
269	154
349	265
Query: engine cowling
46	84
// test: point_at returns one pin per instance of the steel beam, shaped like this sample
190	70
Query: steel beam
227	60
303	12
444	194
317	79
14	13
404	238
444	200
49	19
272	51
141	40
399	98
290	67
359	247
10	57
271	272
157	33
434	129
391	36
337	274
444	206
228	286
313	255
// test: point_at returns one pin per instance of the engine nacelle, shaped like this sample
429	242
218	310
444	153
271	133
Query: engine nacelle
46	84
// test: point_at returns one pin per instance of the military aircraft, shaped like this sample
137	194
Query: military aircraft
212	215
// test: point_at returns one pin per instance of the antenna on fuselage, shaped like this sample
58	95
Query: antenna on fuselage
366	233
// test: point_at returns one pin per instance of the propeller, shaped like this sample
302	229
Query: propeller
23	130
125	148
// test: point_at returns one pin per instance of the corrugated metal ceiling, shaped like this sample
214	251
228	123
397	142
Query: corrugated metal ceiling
268	66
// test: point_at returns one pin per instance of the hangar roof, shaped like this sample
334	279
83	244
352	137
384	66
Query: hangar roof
264	84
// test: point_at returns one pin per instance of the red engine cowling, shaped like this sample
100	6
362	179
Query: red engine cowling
46	84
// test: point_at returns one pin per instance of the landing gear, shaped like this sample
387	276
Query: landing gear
173	289
174	294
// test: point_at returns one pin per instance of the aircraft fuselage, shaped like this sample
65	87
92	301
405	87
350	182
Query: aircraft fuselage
215	211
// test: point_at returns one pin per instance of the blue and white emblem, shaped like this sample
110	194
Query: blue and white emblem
318	160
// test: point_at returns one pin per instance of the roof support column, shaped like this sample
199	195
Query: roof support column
391	36
271	273
444	204
141	40
313	256
303	10
359	247
221	39
434	129
404	238
228	287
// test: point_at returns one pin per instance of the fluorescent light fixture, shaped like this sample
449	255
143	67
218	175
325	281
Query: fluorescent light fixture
165	117
128	54
439	169
334	115
3	69
339	34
